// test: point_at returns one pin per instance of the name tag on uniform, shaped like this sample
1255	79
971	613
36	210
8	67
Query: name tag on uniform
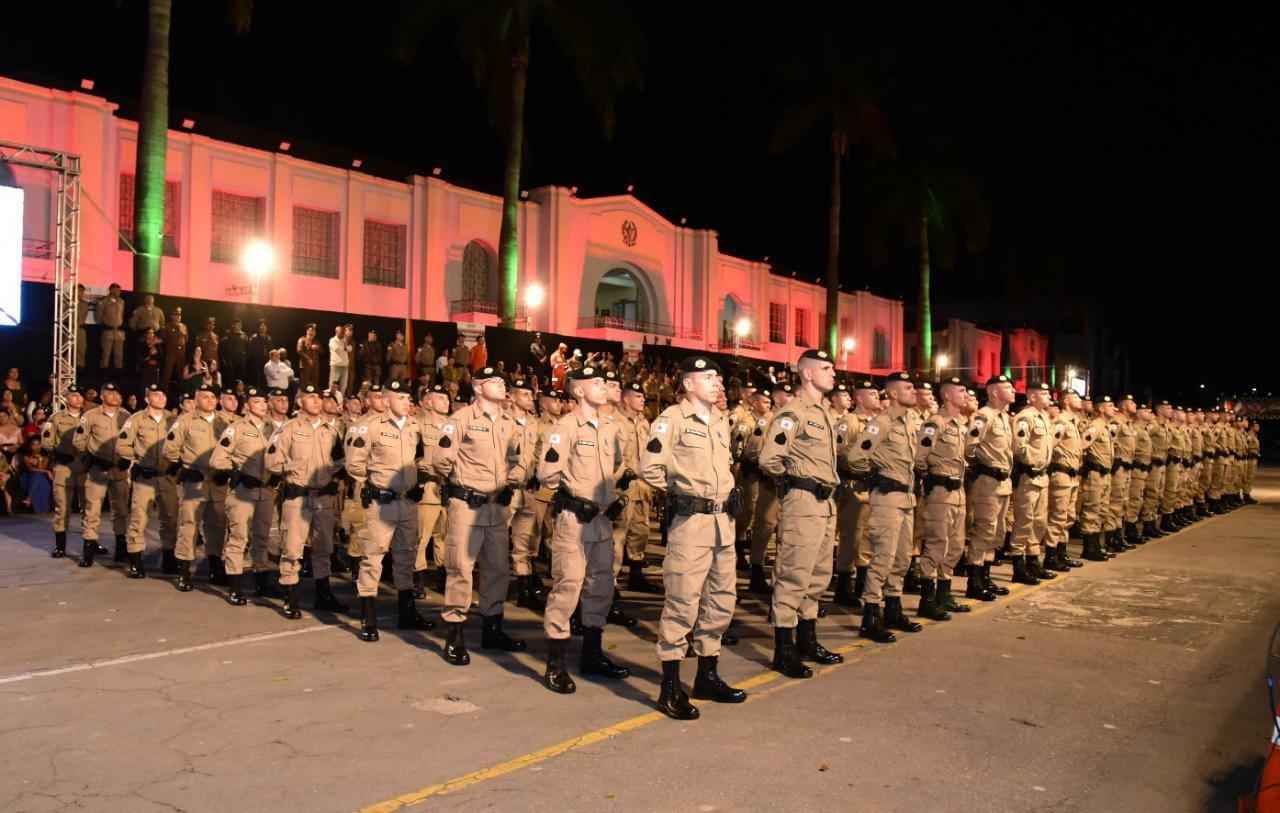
391	435
301	436
697	432
815	424
477	429
586	443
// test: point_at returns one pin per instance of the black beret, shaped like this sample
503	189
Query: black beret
1106	399
109	387
254	392
698	364
522	384
72	390
788	389
587	373
275	391
998	379
209	388
397	387
815	354
839	388
488	373
154	388
610	375
187	396
899	376
1043	387
635	387
864	384
378	387
440	388
310	389
953	381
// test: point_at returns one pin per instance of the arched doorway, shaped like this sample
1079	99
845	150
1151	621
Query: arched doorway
623	299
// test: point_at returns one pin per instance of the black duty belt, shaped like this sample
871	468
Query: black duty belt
1059	468
1142	466
293	492
887	485
190	476
820	490
932	481
239	479
63	458
477	499
96	462
682	504
1157	462
749	468
983	470
1120	465
141	472
1092	466
385	496
585	510
1174	461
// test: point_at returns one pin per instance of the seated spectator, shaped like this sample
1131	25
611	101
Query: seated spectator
10	436
35	474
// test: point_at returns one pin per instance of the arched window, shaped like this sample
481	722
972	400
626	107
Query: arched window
477	268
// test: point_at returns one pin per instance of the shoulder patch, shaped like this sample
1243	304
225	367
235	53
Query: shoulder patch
358	443
225	442
930	429
445	443
447	429
866	444
552	456
173	436
655	445
927	442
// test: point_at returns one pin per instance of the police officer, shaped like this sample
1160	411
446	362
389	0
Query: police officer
386	452
1032	452
1158	430
1139	471
800	451
479	453
96	439
761	490
1064	483
940	458
1173	470
631	529
350	506
58	436
1099	455
687	456
990	455
188	449
431	514
585	464
241	458
531	517
141	445
885	451
147	316
853	554
111	316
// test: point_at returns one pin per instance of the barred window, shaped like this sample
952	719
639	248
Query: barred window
236	220
315	242
802	327
880	349
384	246
172	204
477	266
777	323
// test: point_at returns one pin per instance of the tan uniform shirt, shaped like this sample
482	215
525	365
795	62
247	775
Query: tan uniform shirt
1159	432
482	453
990	444
191	440
1141	443
144	317
887	447
429	422
688	455
801	442
303	452
59	437
141	440
243	448
585	456
388	452
1033	442
1098	444
940	451
749	437
111	312
97	435
1067	444
1125	438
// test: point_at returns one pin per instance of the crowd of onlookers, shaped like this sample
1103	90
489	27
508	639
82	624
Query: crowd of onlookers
26	469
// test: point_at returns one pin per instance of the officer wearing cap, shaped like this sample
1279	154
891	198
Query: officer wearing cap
584	463
853	553
1139	471
783	394
1173	470
1064	484
687	456
990	458
940	458
431	515
96	438
141	447
1123	441
885	452
479	455
188	449
58	436
240	458
1158	430
1194	502
631	528
759	496
1253	450
350	507
307	454
800	451
386	453
529	522
1098	450
1032	453
926	406
110	312
520	408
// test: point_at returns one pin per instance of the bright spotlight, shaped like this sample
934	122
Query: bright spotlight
849	344
257	258
534	295
742	327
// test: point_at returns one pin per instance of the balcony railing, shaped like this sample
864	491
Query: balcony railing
637	326
473	306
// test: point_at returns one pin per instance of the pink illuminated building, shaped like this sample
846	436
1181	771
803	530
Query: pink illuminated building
345	241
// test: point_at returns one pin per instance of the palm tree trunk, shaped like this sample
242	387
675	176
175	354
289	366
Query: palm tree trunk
153	137
925	326
832	339
508	237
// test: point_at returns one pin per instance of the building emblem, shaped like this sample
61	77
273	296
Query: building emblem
629	233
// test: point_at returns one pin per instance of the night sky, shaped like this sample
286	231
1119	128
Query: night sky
1124	161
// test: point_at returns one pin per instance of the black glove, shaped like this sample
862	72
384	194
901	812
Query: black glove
615	510
505	495
627	478
122	465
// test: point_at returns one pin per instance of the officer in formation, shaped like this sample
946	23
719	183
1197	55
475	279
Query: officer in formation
95	439
141	449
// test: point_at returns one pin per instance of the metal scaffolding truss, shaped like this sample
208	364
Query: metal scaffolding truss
66	252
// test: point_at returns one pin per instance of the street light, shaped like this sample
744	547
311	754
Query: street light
534	295
942	363
847	346
257	259
741	329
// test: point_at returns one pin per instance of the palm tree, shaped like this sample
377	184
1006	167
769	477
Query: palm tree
153	140
496	38
836	95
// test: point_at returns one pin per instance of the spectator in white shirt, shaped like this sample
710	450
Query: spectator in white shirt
278	373
339	361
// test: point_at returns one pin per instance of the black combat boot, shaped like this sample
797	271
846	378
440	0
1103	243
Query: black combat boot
786	656
531	595
265	585
1064	557
672	700
1166	524
306	572
557	677
1041	572
122	549
217	570
184	584
88	550
637	583
809	648
894	618
709	686
844	592
492	636
759	584
239	583
873	625
929	605
593	660
860	582
1152	530
168	562
455	644
59	545
408	617
368	618
1131	534
419	584
617	616
291	610
911	584
325	599
947	602
1093	548
136	568
976	587
999	590
338	563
